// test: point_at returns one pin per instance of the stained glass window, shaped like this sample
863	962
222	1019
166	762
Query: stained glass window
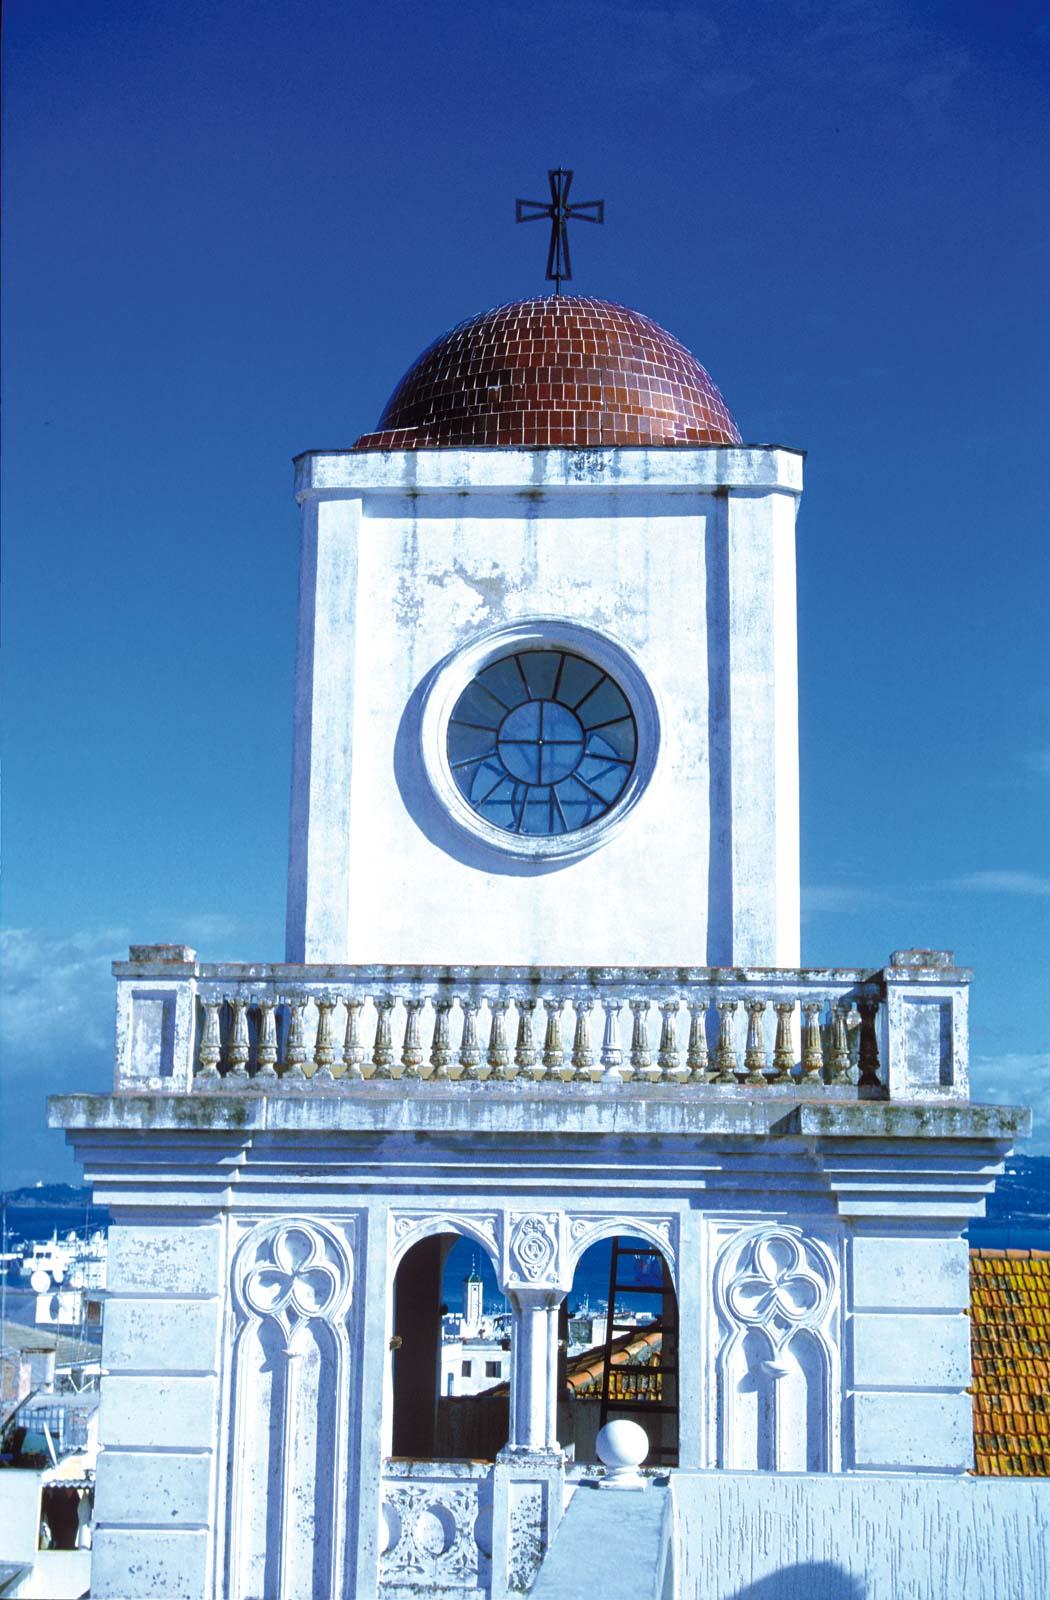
542	742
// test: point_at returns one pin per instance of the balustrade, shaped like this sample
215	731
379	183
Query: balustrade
409	1035
834	1032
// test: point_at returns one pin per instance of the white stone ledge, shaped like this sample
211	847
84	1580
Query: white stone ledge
686	468
382	977
420	1108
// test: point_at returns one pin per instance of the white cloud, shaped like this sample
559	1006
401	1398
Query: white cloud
57	1005
1017	1079
1001	882
57	992
845	899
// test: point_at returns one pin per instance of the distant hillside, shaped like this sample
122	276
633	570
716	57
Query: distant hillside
1018	1212
53	1196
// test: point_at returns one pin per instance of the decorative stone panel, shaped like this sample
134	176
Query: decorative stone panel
288	1466
777	1368
408	1227
534	1250
435	1535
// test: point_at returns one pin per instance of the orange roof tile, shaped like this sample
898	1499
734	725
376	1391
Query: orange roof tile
1010	1341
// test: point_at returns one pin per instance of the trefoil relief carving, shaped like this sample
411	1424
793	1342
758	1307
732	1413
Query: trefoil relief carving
777	1368
297	1272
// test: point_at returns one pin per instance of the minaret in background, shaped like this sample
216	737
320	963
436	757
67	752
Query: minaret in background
473	1309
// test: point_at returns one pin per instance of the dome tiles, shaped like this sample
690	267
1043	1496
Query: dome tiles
556	371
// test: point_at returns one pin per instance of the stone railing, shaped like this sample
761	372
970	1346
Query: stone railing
898	1031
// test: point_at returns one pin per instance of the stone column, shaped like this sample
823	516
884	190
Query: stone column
534	1369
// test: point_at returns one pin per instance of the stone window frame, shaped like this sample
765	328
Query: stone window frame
539	633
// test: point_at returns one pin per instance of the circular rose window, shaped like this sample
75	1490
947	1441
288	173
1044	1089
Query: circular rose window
542	742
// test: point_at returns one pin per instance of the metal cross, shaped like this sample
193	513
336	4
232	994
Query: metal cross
560	212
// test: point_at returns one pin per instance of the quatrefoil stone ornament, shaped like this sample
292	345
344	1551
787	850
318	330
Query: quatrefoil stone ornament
298	1282
776	1288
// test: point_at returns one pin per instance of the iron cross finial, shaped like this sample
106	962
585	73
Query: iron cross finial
560	212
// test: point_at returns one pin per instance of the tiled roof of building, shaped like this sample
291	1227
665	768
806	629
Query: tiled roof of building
1010	1334
29	1339
560	370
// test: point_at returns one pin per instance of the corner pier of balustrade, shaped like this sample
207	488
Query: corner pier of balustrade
896	1033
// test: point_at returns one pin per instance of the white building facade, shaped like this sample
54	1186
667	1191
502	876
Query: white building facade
541	989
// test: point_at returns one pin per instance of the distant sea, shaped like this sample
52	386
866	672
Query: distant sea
40	1222
1018	1219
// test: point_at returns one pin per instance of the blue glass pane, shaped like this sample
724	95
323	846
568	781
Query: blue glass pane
477	705
465	740
541	671
577	679
503	679
603	703
542	742
615	739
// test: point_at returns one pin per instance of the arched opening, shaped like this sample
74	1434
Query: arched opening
619	1349
450	1354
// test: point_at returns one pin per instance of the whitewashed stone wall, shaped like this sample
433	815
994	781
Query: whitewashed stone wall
685	560
159	1424
247	1398
752	1536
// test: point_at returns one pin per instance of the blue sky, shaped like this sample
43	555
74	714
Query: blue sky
229	228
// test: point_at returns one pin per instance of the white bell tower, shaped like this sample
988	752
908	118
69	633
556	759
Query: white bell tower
546	702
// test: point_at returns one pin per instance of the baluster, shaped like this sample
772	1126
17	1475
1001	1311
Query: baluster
641	1060
353	1049
469	1046
812	1053
266	1048
237	1050
725	1053
411	1049
868	1057
525	1046
498	1056
295	1049
838	1063
696	1057
755	1048
612	1054
582	1055
324	1054
210	1053
667	1056
441	1043
383	1045
783	1049
553	1054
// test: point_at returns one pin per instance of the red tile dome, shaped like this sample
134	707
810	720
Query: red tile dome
561	370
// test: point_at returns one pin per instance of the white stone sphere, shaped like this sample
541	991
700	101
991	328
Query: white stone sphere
622	1445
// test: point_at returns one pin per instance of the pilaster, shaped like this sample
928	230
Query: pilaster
323	738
